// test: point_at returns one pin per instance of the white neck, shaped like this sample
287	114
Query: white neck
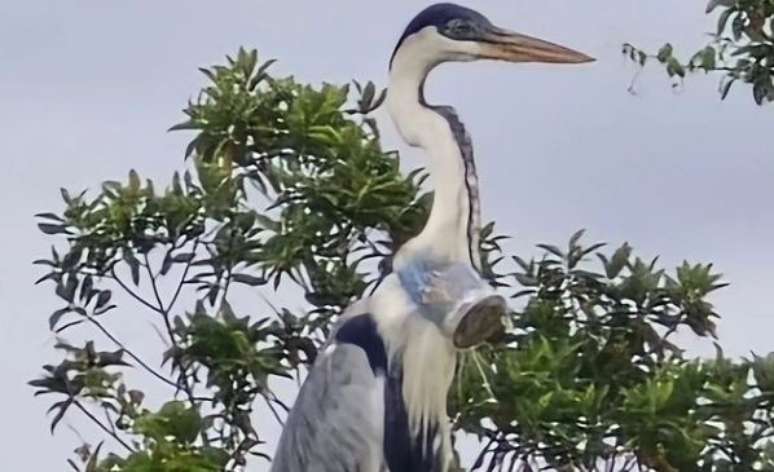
446	234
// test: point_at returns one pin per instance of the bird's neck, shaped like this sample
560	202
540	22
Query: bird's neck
452	230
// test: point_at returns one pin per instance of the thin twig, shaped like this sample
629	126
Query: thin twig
273	410
99	423
480	459
183	383
131	354
153	282
132	293
226	286
279	402
109	420
183	278
183	378
487	386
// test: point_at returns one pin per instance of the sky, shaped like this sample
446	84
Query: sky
89	88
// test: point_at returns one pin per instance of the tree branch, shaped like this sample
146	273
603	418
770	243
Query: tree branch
273	411
131	354
102	426
134	295
183	278
153	283
183	378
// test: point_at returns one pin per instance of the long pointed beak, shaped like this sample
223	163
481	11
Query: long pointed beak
509	46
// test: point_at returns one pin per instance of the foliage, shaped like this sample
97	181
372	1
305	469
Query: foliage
741	49
590	380
587	376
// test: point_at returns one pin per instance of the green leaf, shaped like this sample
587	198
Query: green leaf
56	316
664	53
675	68
50	216
52	229
576	237
192	147
618	261
92	464
526	280
723	20
134	181
103	298
166	265
552	249
726	87
249	279
522	263
134	265
642	57
708	56
186	125
183	257
763	370
763	88
368	95
523	293
737	27
66	290
173	419
61	408
50	276
66	196
267	223
760	91
86	287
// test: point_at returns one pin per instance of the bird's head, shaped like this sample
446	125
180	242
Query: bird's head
447	32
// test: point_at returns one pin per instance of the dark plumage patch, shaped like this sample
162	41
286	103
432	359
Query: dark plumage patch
397	436
439	15
361	331
463	140
402	451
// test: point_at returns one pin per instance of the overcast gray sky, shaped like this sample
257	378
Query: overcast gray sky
88	88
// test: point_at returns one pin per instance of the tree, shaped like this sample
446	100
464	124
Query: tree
741	49
288	186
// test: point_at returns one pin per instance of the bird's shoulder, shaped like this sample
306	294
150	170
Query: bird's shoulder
336	422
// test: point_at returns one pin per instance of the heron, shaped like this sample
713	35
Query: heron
375	399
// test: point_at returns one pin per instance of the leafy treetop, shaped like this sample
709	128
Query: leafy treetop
289	187
741	49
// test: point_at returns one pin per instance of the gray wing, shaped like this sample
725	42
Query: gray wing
336	423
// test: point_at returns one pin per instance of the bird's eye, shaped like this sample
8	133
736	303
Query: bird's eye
459	27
